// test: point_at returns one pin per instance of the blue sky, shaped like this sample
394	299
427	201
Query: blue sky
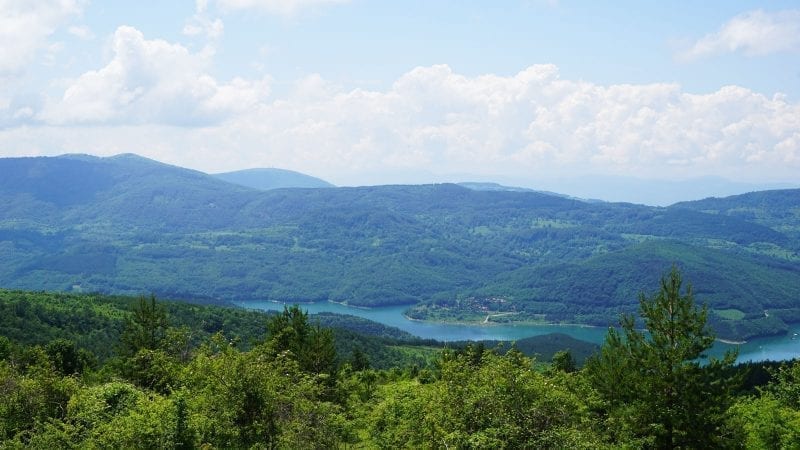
364	92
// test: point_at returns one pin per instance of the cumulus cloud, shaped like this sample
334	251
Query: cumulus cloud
754	33
530	124
152	81
280	7
25	26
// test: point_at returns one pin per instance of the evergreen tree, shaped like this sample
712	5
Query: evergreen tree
659	391
359	360
310	345
562	360
145	329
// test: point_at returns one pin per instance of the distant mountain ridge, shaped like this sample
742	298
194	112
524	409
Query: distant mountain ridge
130	225
487	186
271	178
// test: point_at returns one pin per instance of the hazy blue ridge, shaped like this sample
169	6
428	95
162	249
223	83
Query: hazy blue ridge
271	178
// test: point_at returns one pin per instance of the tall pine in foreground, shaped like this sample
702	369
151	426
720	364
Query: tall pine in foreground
659	391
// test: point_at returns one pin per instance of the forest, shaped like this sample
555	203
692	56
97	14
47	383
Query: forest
241	379
128	225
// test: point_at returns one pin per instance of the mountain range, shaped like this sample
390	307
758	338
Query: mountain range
129	225
272	178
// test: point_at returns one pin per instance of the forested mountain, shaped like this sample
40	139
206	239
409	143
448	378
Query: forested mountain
271	178
779	209
129	225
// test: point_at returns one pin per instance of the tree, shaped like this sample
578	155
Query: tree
66	357
562	360
772	420
658	390
310	345
145	329
498	402
359	360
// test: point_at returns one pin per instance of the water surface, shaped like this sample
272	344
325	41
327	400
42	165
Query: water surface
759	349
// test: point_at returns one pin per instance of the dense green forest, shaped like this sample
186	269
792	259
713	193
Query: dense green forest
178	375
91	321
128	225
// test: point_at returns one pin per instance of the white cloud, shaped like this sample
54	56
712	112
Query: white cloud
152	81
530	125
754	33
202	24
81	32
199	25
25	26
280	7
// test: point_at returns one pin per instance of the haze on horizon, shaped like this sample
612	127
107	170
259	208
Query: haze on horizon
575	97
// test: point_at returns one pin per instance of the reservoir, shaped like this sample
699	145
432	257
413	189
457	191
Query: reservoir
757	349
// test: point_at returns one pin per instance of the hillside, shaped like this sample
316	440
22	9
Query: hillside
94	323
129	225
271	178
778	209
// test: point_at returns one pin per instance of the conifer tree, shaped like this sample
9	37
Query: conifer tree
659	389
146	328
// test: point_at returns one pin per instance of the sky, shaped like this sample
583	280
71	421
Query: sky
524	92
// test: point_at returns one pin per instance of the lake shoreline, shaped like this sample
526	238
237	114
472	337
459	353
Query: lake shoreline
475	323
521	323
753	349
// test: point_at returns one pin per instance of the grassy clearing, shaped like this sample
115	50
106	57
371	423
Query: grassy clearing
729	314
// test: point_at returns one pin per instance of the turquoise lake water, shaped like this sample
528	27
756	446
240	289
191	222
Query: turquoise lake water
768	348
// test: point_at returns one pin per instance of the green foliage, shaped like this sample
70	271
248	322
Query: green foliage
145	329
489	401
208	391
786	387
311	346
240	399
659	392
767	423
772	420
31	396
563	361
128	225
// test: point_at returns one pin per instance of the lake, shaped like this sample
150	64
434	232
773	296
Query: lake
759	349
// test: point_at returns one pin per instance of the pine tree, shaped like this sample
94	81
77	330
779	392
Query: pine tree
145	329
311	345
660	390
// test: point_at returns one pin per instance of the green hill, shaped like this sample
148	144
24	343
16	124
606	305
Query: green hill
129	225
777	209
271	178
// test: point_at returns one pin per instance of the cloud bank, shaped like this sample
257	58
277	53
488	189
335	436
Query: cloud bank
152	81
25	26
754	33
158	99
280	7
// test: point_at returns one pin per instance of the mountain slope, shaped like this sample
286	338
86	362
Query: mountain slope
270	178
130	225
124	190
777	209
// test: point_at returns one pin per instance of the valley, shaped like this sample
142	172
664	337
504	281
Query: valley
769	348
446	252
